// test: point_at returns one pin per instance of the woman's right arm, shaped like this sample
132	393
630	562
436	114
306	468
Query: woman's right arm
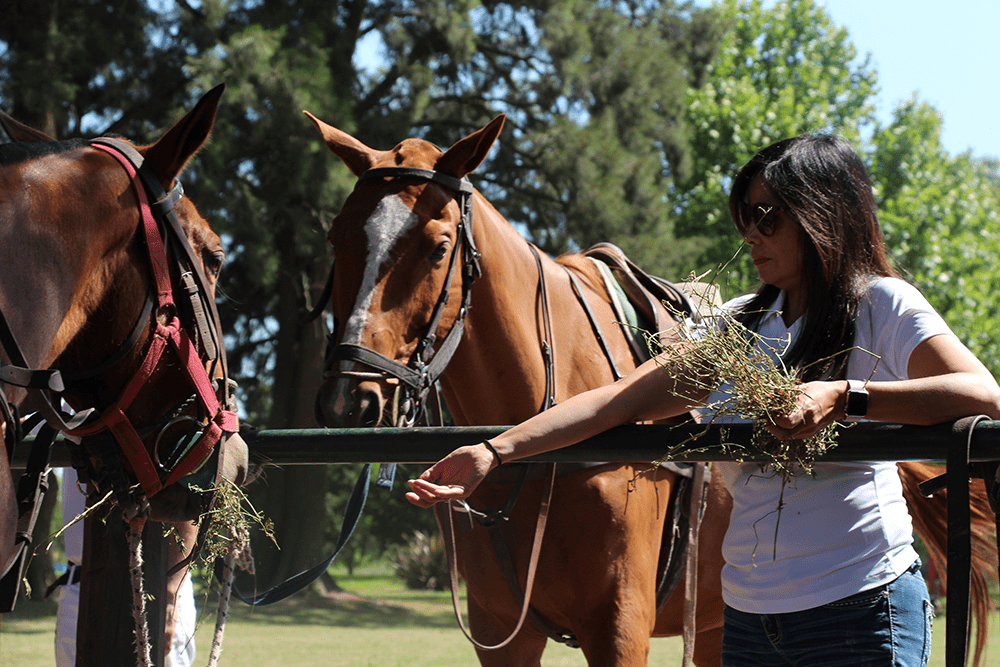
647	393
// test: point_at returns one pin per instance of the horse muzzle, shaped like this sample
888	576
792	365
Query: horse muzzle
344	402
188	499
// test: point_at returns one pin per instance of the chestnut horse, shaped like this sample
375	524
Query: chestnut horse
96	241
411	217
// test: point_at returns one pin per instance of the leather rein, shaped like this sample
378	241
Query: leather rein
152	473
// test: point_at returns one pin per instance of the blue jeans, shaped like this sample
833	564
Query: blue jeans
888	626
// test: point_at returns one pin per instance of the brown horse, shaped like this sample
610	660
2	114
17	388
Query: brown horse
93	251
397	238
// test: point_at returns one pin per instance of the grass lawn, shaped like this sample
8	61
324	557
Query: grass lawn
379	624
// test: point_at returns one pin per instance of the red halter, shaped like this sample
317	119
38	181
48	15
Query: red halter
220	419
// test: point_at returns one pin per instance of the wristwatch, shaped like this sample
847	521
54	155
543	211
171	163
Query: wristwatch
856	405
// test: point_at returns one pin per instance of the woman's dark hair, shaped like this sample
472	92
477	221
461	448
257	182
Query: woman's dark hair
825	187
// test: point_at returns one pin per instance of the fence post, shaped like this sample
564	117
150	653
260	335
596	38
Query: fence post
106	626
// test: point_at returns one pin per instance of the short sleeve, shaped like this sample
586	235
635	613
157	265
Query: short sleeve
893	319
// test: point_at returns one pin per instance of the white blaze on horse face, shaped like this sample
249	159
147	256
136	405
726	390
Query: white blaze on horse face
390	220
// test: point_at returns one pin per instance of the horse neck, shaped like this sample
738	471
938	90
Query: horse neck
498	374
61	251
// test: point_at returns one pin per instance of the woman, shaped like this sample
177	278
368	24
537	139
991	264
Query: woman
820	568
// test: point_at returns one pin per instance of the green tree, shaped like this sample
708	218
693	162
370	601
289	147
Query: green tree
79	68
941	218
780	72
598	133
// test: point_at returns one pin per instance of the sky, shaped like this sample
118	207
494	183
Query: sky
947	52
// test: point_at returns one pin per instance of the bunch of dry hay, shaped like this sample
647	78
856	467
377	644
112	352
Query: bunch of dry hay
720	353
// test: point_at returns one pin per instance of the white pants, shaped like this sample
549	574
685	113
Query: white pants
69	609
181	654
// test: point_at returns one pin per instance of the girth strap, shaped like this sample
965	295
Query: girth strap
959	542
959	546
697	505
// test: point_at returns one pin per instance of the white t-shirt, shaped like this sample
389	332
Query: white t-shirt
846	529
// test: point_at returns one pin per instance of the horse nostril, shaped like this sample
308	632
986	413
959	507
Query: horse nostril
346	405
368	410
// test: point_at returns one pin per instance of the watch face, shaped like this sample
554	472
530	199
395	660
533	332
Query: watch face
857	404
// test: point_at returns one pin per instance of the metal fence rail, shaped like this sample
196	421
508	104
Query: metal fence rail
689	442
640	442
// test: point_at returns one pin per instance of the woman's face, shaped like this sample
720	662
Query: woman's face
775	243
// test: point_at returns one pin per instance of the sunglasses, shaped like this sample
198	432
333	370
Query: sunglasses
762	217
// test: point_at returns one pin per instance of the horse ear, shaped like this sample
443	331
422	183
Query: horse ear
469	153
168	156
358	157
18	131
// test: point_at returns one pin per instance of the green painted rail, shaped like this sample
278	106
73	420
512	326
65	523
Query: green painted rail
640	442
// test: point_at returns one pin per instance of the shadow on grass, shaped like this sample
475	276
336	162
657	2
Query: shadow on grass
30	617
349	611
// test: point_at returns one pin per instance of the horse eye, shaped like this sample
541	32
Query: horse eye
440	251
213	262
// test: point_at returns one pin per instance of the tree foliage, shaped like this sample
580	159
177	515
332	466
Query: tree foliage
941	218
780	72
789	70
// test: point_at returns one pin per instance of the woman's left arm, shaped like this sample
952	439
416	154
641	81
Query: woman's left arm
946	382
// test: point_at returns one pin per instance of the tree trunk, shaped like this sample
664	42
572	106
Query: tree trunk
34	72
294	497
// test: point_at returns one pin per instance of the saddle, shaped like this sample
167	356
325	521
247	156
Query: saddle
646	302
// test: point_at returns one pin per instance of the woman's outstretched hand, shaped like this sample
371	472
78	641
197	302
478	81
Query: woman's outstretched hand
454	477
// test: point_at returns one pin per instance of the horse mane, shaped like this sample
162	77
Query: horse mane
930	522
15	152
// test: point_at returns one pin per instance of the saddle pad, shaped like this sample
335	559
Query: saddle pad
633	325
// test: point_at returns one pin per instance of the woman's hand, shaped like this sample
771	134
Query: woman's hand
818	405
454	477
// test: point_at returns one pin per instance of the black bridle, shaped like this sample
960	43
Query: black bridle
421	372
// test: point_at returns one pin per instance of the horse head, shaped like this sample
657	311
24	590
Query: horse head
121	242
400	239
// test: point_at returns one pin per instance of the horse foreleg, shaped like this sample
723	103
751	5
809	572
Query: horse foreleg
606	580
617	635
708	648
525	650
